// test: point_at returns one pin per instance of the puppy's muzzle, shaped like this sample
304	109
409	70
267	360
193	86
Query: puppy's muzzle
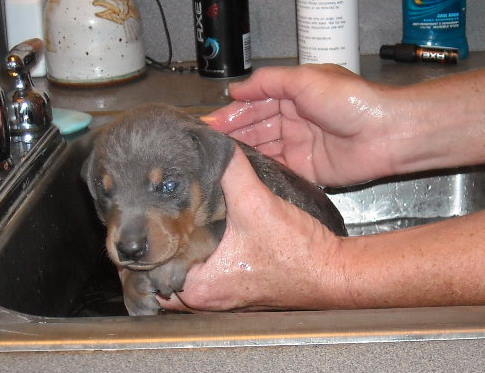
132	249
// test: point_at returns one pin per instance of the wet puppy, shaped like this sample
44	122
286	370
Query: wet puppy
154	175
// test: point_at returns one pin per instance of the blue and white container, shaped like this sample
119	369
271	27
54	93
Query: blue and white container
436	23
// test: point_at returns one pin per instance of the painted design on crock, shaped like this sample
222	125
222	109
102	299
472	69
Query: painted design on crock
118	11
122	12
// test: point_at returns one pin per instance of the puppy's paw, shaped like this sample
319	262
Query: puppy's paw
178	273
139	294
142	306
169	277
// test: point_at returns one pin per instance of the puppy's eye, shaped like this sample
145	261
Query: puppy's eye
169	186
166	187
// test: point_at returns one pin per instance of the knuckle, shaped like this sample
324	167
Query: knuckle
262	73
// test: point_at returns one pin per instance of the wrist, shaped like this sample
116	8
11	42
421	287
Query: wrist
333	279
437	124
316	274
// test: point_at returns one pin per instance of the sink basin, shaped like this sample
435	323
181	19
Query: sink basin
58	290
405	201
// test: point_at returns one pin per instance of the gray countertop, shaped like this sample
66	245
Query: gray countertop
199	95
188	89
439	356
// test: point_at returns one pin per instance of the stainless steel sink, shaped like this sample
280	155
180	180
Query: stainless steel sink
58	291
405	201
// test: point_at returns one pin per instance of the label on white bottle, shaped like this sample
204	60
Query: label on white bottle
328	32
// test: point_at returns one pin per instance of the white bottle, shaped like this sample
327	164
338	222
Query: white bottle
24	21
328	32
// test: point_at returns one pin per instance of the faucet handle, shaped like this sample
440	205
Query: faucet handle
30	112
24	56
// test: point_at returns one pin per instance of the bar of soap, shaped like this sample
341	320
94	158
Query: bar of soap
70	121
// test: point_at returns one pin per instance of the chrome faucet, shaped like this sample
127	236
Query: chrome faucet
28	139
30	112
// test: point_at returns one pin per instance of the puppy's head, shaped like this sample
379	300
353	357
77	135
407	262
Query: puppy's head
154	176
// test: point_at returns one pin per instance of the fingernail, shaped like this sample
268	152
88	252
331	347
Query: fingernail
208	119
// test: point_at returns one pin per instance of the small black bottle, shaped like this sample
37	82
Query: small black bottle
416	53
222	38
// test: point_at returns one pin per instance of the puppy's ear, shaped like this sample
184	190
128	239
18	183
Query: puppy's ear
87	173
216	150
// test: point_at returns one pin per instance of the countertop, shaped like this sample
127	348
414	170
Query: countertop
196	93
200	95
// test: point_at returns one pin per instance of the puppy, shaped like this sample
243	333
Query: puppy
154	175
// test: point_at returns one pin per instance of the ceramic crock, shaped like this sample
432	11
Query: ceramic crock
93	41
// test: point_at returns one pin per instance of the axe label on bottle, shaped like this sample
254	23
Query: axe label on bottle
222	38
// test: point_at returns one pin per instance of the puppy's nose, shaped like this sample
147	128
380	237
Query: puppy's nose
131	249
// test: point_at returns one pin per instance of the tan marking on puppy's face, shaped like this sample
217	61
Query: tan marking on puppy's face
113	236
107	183
171	236
198	206
155	176
167	237
162	243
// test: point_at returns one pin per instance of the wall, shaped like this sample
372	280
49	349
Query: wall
273	28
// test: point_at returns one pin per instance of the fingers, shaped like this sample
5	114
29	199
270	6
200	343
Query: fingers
272	129
257	98
174	303
240	114
273	149
267	130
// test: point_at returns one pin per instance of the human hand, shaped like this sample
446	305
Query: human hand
275	256
272	255
323	121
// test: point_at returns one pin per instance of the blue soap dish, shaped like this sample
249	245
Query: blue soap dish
70	121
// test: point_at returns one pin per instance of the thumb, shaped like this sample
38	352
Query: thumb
243	190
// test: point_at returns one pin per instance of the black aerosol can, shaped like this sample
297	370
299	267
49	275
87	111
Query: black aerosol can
222	38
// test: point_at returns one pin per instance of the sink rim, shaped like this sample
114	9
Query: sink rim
214	330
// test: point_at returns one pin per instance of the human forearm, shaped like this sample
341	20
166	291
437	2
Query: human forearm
438	123
433	265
